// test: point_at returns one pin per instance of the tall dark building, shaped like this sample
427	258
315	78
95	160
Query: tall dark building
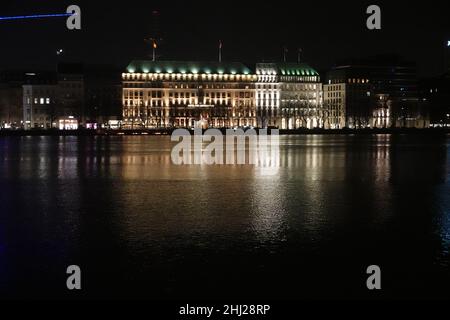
11	98
376	92
436	91
71	95
103	95
91	93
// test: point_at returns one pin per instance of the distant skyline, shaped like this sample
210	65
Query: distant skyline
251	32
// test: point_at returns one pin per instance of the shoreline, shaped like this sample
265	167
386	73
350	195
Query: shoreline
166	132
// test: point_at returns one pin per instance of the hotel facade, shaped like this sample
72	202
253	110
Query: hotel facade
170	94
289	96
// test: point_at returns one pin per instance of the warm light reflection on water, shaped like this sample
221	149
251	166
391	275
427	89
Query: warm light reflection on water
352	199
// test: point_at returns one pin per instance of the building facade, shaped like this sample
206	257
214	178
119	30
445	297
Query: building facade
12	94
348	102
91	94
73	96
436	92
71	108
53	101
103	97
11	114
289	96
39	106
378	92
166	94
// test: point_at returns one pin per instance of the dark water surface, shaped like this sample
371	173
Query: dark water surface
140	227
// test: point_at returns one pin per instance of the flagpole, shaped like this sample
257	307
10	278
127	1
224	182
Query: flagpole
154	52
220	50
154	47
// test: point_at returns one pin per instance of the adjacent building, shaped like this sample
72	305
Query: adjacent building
53	100
436	92
39	110
103	97
12	95
90	94
347	99
75	96
378	92
11	100
289	96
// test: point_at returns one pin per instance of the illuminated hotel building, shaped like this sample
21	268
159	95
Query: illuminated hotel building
289	96
166	94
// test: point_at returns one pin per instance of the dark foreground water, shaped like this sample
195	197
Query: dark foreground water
140	227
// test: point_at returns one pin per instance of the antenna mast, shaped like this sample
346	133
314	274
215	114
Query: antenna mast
155	38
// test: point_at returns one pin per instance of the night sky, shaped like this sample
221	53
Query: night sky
252	31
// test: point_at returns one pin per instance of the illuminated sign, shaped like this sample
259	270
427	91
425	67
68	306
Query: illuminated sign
200	106
68	124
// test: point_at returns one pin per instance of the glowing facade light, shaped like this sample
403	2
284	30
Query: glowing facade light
36	16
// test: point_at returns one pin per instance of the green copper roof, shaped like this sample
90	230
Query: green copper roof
287	69
192	67
296	69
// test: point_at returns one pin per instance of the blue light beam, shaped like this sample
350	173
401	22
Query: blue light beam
36	16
